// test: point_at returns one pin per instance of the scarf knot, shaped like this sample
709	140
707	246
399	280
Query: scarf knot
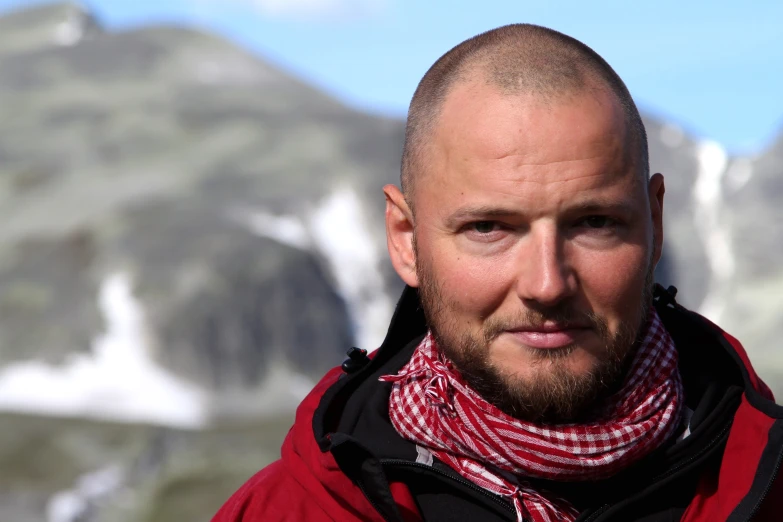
431	406
437	389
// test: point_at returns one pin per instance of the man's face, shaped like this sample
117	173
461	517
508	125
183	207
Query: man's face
535	242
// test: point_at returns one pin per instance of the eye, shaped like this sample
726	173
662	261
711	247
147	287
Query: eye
484	227
598	221
485	231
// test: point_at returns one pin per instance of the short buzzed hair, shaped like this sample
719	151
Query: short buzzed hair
517	59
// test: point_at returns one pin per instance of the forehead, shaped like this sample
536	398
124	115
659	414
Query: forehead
483	135
479	119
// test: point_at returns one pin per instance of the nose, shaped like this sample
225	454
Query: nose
545	278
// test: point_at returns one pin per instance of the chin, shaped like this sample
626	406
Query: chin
574	361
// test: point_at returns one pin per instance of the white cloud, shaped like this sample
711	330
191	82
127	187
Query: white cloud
308	8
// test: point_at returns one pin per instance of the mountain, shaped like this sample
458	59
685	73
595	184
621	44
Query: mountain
753	300
190	236
184	165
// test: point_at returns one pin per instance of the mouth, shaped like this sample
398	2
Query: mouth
549	336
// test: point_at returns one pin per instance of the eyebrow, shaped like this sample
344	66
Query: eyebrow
487	212
623	206
477	213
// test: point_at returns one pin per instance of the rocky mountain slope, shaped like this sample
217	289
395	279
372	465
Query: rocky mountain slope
189	236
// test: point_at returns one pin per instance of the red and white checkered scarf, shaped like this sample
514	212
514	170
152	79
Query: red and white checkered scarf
431	405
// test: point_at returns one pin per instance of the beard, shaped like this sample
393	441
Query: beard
557	396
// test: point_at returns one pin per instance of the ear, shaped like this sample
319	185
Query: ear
655	190
399	235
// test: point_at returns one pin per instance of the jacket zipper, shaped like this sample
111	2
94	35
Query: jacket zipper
466	483
756	508
597	513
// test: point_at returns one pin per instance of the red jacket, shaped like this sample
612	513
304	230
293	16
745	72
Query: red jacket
330	469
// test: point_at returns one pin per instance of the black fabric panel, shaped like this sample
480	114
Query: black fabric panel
702	362
442	499
765	474
668	515
713	395
366	414
435	504
664	499
366	472
691	323
408	322
352	418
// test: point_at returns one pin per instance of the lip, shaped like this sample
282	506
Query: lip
548	337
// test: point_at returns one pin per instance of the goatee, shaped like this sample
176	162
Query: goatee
555	397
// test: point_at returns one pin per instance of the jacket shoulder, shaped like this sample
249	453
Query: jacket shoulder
276	493
271	495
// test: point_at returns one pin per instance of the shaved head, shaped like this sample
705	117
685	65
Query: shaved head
515	59
536	226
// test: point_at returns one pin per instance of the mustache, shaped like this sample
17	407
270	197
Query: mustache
532	319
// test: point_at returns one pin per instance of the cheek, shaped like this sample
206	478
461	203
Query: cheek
474	286
613	282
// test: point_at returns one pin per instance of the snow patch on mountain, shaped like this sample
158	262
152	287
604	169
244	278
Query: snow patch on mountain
73	505
739	173
117	381
71	30
289	230
708	201
338	230
342	233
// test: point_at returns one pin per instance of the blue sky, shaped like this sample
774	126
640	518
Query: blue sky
714	67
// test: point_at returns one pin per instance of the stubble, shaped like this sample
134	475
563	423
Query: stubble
557	395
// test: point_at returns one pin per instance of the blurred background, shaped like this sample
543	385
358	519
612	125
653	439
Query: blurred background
191	215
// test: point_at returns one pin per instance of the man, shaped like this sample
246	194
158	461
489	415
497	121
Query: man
529	372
